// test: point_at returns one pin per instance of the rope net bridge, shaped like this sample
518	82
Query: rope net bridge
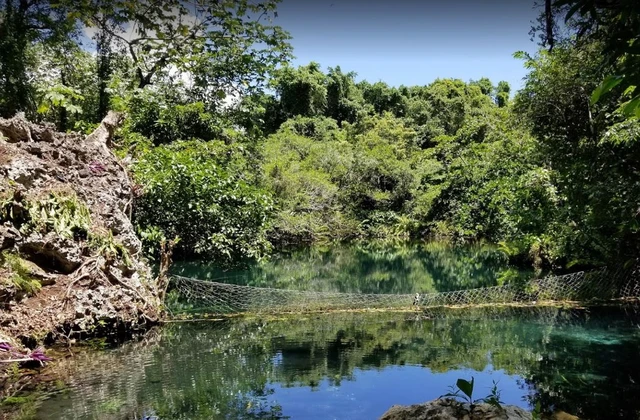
222	298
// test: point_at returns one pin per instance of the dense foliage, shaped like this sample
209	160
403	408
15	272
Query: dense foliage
198	192
236	151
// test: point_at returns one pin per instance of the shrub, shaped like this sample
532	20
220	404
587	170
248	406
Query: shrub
200	192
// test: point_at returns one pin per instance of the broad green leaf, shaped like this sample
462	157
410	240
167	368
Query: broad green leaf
607	84
43	108
631	108
466	386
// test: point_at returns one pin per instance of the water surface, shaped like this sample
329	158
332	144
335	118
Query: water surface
355	366
367	267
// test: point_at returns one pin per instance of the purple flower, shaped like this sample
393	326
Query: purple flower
38	354
5	346
96	167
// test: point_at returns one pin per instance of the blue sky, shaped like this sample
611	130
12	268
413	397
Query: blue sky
412	42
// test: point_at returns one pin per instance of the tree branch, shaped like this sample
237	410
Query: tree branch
548	13
146	80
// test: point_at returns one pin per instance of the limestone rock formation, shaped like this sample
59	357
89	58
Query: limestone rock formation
70	262
449	409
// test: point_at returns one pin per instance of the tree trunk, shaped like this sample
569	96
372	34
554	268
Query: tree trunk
104	133
548	13
104	71
64	118
162	281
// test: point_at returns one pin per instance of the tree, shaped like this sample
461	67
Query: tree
343	98
485	86
384	98
502	93
65	84
302	91
104	53
222	45
203	193
594	158
23	23
613	23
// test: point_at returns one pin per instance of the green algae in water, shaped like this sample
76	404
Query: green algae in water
602	337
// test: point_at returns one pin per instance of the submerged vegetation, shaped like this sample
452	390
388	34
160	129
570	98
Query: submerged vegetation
238	153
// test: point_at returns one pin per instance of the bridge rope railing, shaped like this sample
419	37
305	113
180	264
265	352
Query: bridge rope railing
218	298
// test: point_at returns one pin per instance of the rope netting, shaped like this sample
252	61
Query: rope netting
223	298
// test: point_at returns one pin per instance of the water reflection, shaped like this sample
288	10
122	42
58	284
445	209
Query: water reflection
357	365
372	267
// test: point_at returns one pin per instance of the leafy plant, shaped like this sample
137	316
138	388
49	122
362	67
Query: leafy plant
61	96
202	192
494	396
20	274
6	207
61	212
466	388
151	237
103	243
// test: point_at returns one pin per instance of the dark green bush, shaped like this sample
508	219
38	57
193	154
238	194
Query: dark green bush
165	121
202	193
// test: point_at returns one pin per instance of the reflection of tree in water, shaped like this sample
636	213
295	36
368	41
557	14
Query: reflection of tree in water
590	372
212	370
457	268
183	374
368	267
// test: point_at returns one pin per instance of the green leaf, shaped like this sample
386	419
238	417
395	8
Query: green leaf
631	108
573	10
608	83
466	386
43	108
521	55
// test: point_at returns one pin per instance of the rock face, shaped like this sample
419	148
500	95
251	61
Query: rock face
65	202
448	409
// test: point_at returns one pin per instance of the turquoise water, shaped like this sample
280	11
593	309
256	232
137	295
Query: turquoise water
356	366
371	267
